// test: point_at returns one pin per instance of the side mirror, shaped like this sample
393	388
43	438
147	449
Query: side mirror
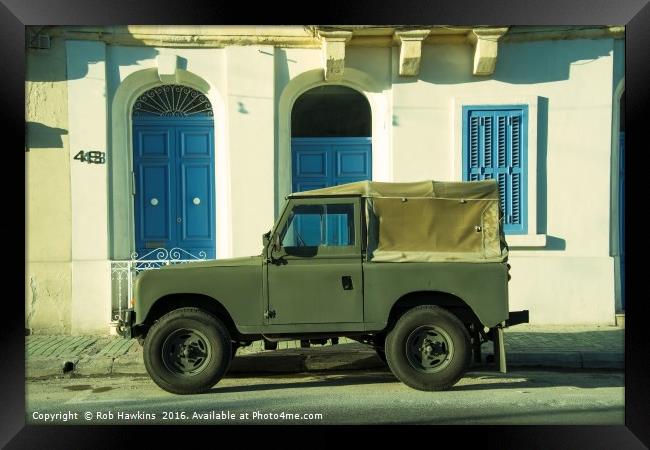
265	238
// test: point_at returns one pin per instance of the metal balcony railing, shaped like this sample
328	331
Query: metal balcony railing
123	272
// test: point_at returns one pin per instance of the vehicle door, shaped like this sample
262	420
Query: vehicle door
315	275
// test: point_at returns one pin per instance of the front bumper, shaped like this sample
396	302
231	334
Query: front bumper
125	323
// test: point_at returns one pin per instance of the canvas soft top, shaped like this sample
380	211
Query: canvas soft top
487	189
428	221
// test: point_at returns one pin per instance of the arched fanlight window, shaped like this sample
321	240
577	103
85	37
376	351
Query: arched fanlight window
172	100
331	111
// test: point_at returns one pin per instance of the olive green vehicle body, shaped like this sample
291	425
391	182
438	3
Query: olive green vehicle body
329	290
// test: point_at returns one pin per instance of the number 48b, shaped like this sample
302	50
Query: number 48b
91	157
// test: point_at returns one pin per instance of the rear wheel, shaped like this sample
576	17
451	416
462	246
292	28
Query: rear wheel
428	349
187	351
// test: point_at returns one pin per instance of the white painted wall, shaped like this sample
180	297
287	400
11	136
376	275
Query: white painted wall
574	77
414	124
571	279
251	138
91	301
563	290
48	217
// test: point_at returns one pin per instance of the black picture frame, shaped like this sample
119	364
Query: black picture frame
635	14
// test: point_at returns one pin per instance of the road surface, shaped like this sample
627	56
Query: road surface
359	397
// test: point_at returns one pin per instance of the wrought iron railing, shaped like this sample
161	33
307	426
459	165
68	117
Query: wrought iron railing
123	272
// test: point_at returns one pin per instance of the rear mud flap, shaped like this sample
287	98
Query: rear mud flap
499	349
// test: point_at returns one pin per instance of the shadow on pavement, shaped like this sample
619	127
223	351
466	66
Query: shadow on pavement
604	415
540	379
320	380
472	381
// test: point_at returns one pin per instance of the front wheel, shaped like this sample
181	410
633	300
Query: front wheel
428	349
187	351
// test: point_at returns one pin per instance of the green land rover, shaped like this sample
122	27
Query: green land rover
416	270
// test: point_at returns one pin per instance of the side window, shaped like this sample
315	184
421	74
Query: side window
495	147
320	225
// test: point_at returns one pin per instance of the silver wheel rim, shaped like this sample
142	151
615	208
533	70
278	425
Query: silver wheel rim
186	352
429	349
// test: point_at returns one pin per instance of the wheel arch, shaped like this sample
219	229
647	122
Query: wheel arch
171	302
446	300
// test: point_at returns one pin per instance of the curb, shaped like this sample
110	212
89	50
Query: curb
269	363
297	362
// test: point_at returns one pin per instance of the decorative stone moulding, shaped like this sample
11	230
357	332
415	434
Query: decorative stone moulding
410	51
485	42
167	68
333	45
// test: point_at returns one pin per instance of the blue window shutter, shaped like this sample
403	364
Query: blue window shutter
474	153
494	147
514	206
488	144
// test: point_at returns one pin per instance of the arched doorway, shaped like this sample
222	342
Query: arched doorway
173	167
331	138
331	144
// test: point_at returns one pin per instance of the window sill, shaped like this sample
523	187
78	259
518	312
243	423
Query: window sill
526	240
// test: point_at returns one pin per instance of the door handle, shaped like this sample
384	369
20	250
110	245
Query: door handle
346	282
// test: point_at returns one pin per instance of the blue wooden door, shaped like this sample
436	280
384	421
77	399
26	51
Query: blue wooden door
324	162
174	187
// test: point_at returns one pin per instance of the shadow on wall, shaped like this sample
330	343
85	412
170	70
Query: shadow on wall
43	69
543	61
555	243
517	63
552	242
120	57
128	56
542	174
38	135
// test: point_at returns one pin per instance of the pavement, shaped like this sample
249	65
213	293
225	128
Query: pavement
554	347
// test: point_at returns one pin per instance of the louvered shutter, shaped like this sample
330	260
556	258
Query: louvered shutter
494	147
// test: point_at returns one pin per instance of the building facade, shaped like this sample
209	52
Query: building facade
171	143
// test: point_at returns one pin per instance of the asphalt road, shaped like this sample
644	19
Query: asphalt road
481	397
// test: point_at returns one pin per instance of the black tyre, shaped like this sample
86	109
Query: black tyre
187	351
429	349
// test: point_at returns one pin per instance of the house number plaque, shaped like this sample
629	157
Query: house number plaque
91	157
